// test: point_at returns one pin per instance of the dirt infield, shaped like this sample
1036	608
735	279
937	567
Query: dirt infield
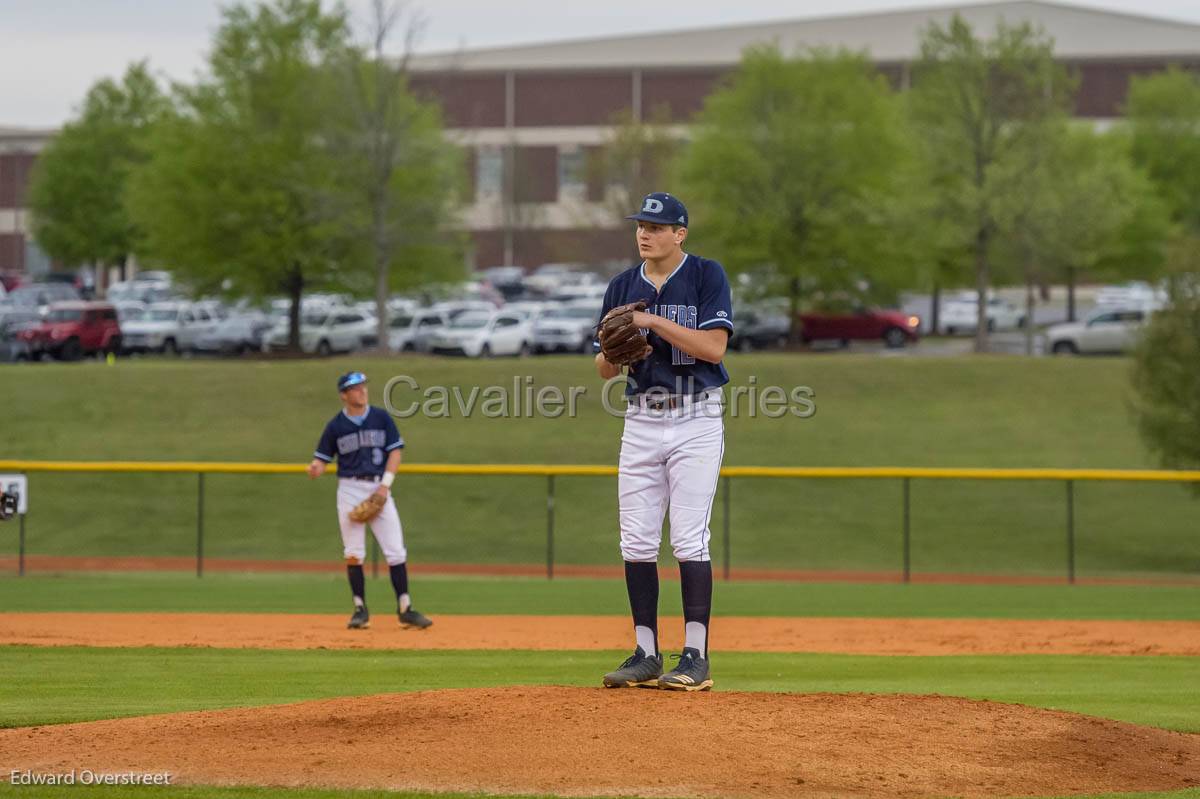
579	741
730	634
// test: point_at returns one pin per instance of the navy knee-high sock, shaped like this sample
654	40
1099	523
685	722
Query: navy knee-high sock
641	580
399	574
358	586
695	577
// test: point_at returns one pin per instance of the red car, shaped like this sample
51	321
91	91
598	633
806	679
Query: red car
70	330
893	328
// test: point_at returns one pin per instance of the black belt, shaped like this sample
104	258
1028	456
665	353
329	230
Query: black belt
369	478
668	403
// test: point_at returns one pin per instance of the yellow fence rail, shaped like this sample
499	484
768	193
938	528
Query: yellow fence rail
548	470
903	473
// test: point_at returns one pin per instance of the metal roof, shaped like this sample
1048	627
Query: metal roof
1078	32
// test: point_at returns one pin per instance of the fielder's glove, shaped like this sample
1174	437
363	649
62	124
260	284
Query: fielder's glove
621	341
368	509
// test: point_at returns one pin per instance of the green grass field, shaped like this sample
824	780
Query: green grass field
999	411
47	685
996	411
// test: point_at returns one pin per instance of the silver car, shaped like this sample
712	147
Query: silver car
412	332
566	328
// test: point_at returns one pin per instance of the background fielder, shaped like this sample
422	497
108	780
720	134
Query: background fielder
674	439
367	445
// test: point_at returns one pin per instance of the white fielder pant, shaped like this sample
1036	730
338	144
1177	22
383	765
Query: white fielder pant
385	526
670	458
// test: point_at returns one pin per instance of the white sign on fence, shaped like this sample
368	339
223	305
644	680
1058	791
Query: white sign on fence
17	484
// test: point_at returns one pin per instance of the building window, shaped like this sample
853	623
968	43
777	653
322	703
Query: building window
489	173
572	174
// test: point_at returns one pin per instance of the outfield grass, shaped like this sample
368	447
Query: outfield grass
995	411
320	593
50	685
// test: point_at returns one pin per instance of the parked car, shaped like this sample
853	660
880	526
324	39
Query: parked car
478	334
757	330
12	322
570	327
893	328
1132	294
236	335
130	310
42	295
1105	330
569	292
530	309
70	330
141	289
961	315
412	332
452	308
168	327
325	332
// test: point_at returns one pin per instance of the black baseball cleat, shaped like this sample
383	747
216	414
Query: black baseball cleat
638	671
361	619
414	618
690	675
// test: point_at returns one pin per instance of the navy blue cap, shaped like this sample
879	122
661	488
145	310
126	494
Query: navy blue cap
350	379
662	208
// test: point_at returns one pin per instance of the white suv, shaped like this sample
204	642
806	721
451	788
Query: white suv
567	328
1104	330
167	327
412	331
326	332
479	334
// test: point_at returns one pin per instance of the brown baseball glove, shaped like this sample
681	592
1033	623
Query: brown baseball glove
621	341
368	509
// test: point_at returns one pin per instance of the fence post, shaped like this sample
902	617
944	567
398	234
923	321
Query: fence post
21	548
726	533
200	524
549	527
1071	532
907	532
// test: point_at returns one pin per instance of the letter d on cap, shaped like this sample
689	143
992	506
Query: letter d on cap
653	206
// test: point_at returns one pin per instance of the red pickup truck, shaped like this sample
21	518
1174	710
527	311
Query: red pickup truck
893	328
70	330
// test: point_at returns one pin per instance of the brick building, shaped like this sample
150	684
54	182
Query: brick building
529	115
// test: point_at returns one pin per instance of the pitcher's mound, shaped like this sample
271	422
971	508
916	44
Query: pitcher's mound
583	741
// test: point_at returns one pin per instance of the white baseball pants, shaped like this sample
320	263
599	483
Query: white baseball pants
385	526
670	458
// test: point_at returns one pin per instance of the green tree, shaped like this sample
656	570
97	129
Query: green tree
979	106
1163	120
1163	117
77	192
399	177
795	168
1166	382
241	183
636	158
1080	207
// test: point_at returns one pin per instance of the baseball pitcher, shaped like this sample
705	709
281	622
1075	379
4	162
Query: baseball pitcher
367	445
668	320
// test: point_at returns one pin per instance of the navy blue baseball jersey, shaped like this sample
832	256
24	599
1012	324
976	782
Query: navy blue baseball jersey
360	443
695	295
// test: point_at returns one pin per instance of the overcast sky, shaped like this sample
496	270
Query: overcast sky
51	51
